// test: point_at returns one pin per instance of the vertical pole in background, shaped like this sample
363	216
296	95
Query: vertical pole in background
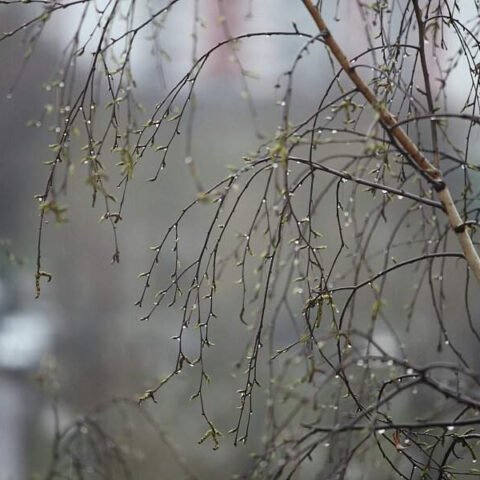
24	339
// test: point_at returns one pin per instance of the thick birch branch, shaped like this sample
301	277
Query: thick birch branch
416	157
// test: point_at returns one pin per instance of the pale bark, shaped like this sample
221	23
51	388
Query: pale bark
417	158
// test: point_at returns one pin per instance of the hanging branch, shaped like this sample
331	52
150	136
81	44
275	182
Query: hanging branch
432	174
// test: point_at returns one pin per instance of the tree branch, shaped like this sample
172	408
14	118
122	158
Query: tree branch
416	157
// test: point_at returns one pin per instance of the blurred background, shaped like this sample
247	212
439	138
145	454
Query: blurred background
81	344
